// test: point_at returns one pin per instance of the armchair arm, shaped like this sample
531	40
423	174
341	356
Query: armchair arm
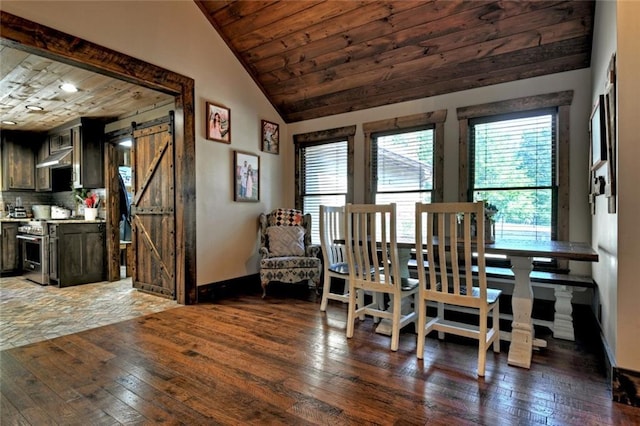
264	252
313	250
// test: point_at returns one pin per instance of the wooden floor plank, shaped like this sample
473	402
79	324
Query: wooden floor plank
247	360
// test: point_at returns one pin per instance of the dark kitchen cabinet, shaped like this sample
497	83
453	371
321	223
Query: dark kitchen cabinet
43	174
86	137
10	253
59	139
88	157
18	161
76	253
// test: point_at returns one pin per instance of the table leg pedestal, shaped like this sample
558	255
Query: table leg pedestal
522	332
563	320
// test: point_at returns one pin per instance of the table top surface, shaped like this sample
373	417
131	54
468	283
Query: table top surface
558	249
569	250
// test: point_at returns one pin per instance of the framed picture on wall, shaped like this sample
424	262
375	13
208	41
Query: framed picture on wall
598	133
218	123
246	169
270	137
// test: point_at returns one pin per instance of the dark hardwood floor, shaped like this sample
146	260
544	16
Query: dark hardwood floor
244	360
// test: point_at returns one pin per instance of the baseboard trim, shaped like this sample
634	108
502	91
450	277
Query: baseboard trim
626	386
221	289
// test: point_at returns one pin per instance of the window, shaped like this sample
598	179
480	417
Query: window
515	154
323	172
513	161
402	170
405	156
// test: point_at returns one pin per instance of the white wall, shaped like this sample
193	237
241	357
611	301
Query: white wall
628	320
176	35
605	225
578	81
617	236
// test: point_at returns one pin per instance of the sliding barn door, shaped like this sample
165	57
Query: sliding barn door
153	209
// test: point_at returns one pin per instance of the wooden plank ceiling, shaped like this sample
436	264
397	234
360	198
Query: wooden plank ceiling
31	80
318	58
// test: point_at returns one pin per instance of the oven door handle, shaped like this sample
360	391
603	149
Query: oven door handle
28	238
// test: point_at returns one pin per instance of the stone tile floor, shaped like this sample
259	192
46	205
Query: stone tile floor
31	313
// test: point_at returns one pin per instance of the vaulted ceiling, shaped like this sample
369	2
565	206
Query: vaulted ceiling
318	58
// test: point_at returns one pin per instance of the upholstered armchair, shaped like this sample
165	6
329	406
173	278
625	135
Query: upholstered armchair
287	254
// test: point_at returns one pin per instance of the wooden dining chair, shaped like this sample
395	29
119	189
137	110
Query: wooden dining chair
334	254
444	231
372	255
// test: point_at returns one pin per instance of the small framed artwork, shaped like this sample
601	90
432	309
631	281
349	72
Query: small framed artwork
598	133
270	137
218	123
246	170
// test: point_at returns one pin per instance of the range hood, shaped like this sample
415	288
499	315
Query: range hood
57	159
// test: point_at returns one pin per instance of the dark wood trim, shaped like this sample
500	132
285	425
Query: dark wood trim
561	100
437	118
249	284
463	159
324	136
32	37
526	103
626	386
113	210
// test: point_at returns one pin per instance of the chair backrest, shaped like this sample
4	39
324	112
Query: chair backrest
444	231
332	234
372	247
284	217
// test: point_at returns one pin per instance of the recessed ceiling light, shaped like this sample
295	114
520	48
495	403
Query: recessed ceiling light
34	108
69	88
126	143
9	122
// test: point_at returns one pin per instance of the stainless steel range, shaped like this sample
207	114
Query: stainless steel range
34	248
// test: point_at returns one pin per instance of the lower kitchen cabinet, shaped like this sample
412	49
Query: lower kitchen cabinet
76	253
9	252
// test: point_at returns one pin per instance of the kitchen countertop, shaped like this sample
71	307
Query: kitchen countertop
57	221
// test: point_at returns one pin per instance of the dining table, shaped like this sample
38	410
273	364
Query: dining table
521	253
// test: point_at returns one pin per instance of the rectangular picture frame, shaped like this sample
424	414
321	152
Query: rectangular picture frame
218	123
598	133
270	133
246	177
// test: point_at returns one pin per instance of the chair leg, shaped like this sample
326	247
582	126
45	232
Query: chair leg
496	326
264	288
422	322
326	288
360	302
482	342
395	325
440	318
351	311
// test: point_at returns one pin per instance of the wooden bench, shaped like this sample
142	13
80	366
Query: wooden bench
563	286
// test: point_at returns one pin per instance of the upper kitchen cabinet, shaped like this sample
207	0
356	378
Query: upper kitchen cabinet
43	174
85	137
18	160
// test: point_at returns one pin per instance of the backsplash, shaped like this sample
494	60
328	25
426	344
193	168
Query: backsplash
63	199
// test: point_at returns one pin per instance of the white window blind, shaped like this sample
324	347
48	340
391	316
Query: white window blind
513	166
402	169
325	179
